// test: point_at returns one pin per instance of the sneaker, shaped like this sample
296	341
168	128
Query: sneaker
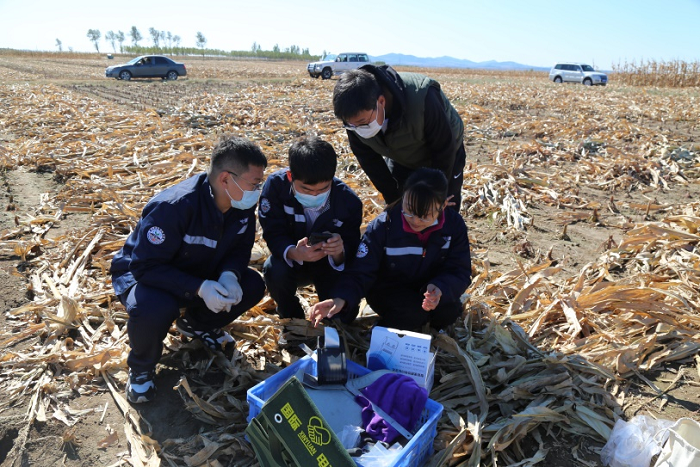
140	387
213	339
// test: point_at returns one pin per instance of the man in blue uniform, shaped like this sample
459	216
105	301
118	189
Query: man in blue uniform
298	205
397	123
191	249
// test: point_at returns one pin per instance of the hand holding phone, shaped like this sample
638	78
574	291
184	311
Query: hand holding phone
305	252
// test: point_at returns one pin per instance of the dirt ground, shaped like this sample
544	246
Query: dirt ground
82	437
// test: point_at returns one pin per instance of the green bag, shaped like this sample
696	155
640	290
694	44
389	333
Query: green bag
290	432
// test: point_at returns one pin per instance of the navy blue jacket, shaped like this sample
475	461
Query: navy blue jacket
182	239
283	221
389	257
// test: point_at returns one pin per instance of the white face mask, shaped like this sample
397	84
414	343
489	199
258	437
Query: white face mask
371	129
249	199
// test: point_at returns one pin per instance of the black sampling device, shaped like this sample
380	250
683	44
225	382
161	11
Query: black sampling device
331	363
332	366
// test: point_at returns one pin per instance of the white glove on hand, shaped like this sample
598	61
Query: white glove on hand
215	296
229	280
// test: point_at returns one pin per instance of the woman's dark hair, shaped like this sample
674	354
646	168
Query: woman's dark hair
424	189
355	92
312	160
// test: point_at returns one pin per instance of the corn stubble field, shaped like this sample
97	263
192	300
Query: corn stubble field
583	211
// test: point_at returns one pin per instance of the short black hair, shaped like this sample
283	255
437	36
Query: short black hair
312	160
356	91
424	189
236	154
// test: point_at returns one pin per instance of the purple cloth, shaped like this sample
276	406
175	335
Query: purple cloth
397	395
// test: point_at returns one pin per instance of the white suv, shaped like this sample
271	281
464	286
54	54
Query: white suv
336	64
577	73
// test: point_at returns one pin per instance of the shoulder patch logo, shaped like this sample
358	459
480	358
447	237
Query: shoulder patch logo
155	235
265	205
362	250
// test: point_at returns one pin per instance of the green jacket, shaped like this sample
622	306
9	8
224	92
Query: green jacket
405	141
417	104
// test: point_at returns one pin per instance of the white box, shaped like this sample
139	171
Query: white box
403	352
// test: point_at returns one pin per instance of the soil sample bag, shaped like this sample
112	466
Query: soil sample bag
683	446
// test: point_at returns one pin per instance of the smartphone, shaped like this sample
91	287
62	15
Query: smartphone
318	237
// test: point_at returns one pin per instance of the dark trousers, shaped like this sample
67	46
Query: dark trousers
152	312
401	308
454	184
282	283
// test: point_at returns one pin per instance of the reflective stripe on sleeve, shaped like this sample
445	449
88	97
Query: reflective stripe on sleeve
200	241
297	217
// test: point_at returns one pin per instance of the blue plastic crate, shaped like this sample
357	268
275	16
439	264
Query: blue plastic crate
414	454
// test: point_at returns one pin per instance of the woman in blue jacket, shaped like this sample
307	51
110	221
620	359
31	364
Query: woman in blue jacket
413	262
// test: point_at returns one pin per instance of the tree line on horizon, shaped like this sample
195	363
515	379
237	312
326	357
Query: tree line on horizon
166	42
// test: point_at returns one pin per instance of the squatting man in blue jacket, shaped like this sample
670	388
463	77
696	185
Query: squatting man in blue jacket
191	249
413	263
298	204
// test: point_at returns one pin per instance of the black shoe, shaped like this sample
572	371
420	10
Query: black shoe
213	339
140	387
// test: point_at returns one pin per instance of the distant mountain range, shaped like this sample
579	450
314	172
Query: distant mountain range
451	62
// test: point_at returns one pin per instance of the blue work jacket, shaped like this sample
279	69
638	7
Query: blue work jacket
389	257
182	239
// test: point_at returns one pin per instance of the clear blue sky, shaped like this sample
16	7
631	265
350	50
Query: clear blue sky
532	32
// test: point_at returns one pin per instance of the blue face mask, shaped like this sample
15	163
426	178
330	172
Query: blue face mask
312	201
249	199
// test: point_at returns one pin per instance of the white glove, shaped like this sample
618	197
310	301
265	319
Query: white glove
215	296
229	280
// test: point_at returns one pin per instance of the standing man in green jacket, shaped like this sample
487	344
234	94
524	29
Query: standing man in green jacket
397	123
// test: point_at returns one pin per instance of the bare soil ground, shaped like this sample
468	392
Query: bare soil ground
79	437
